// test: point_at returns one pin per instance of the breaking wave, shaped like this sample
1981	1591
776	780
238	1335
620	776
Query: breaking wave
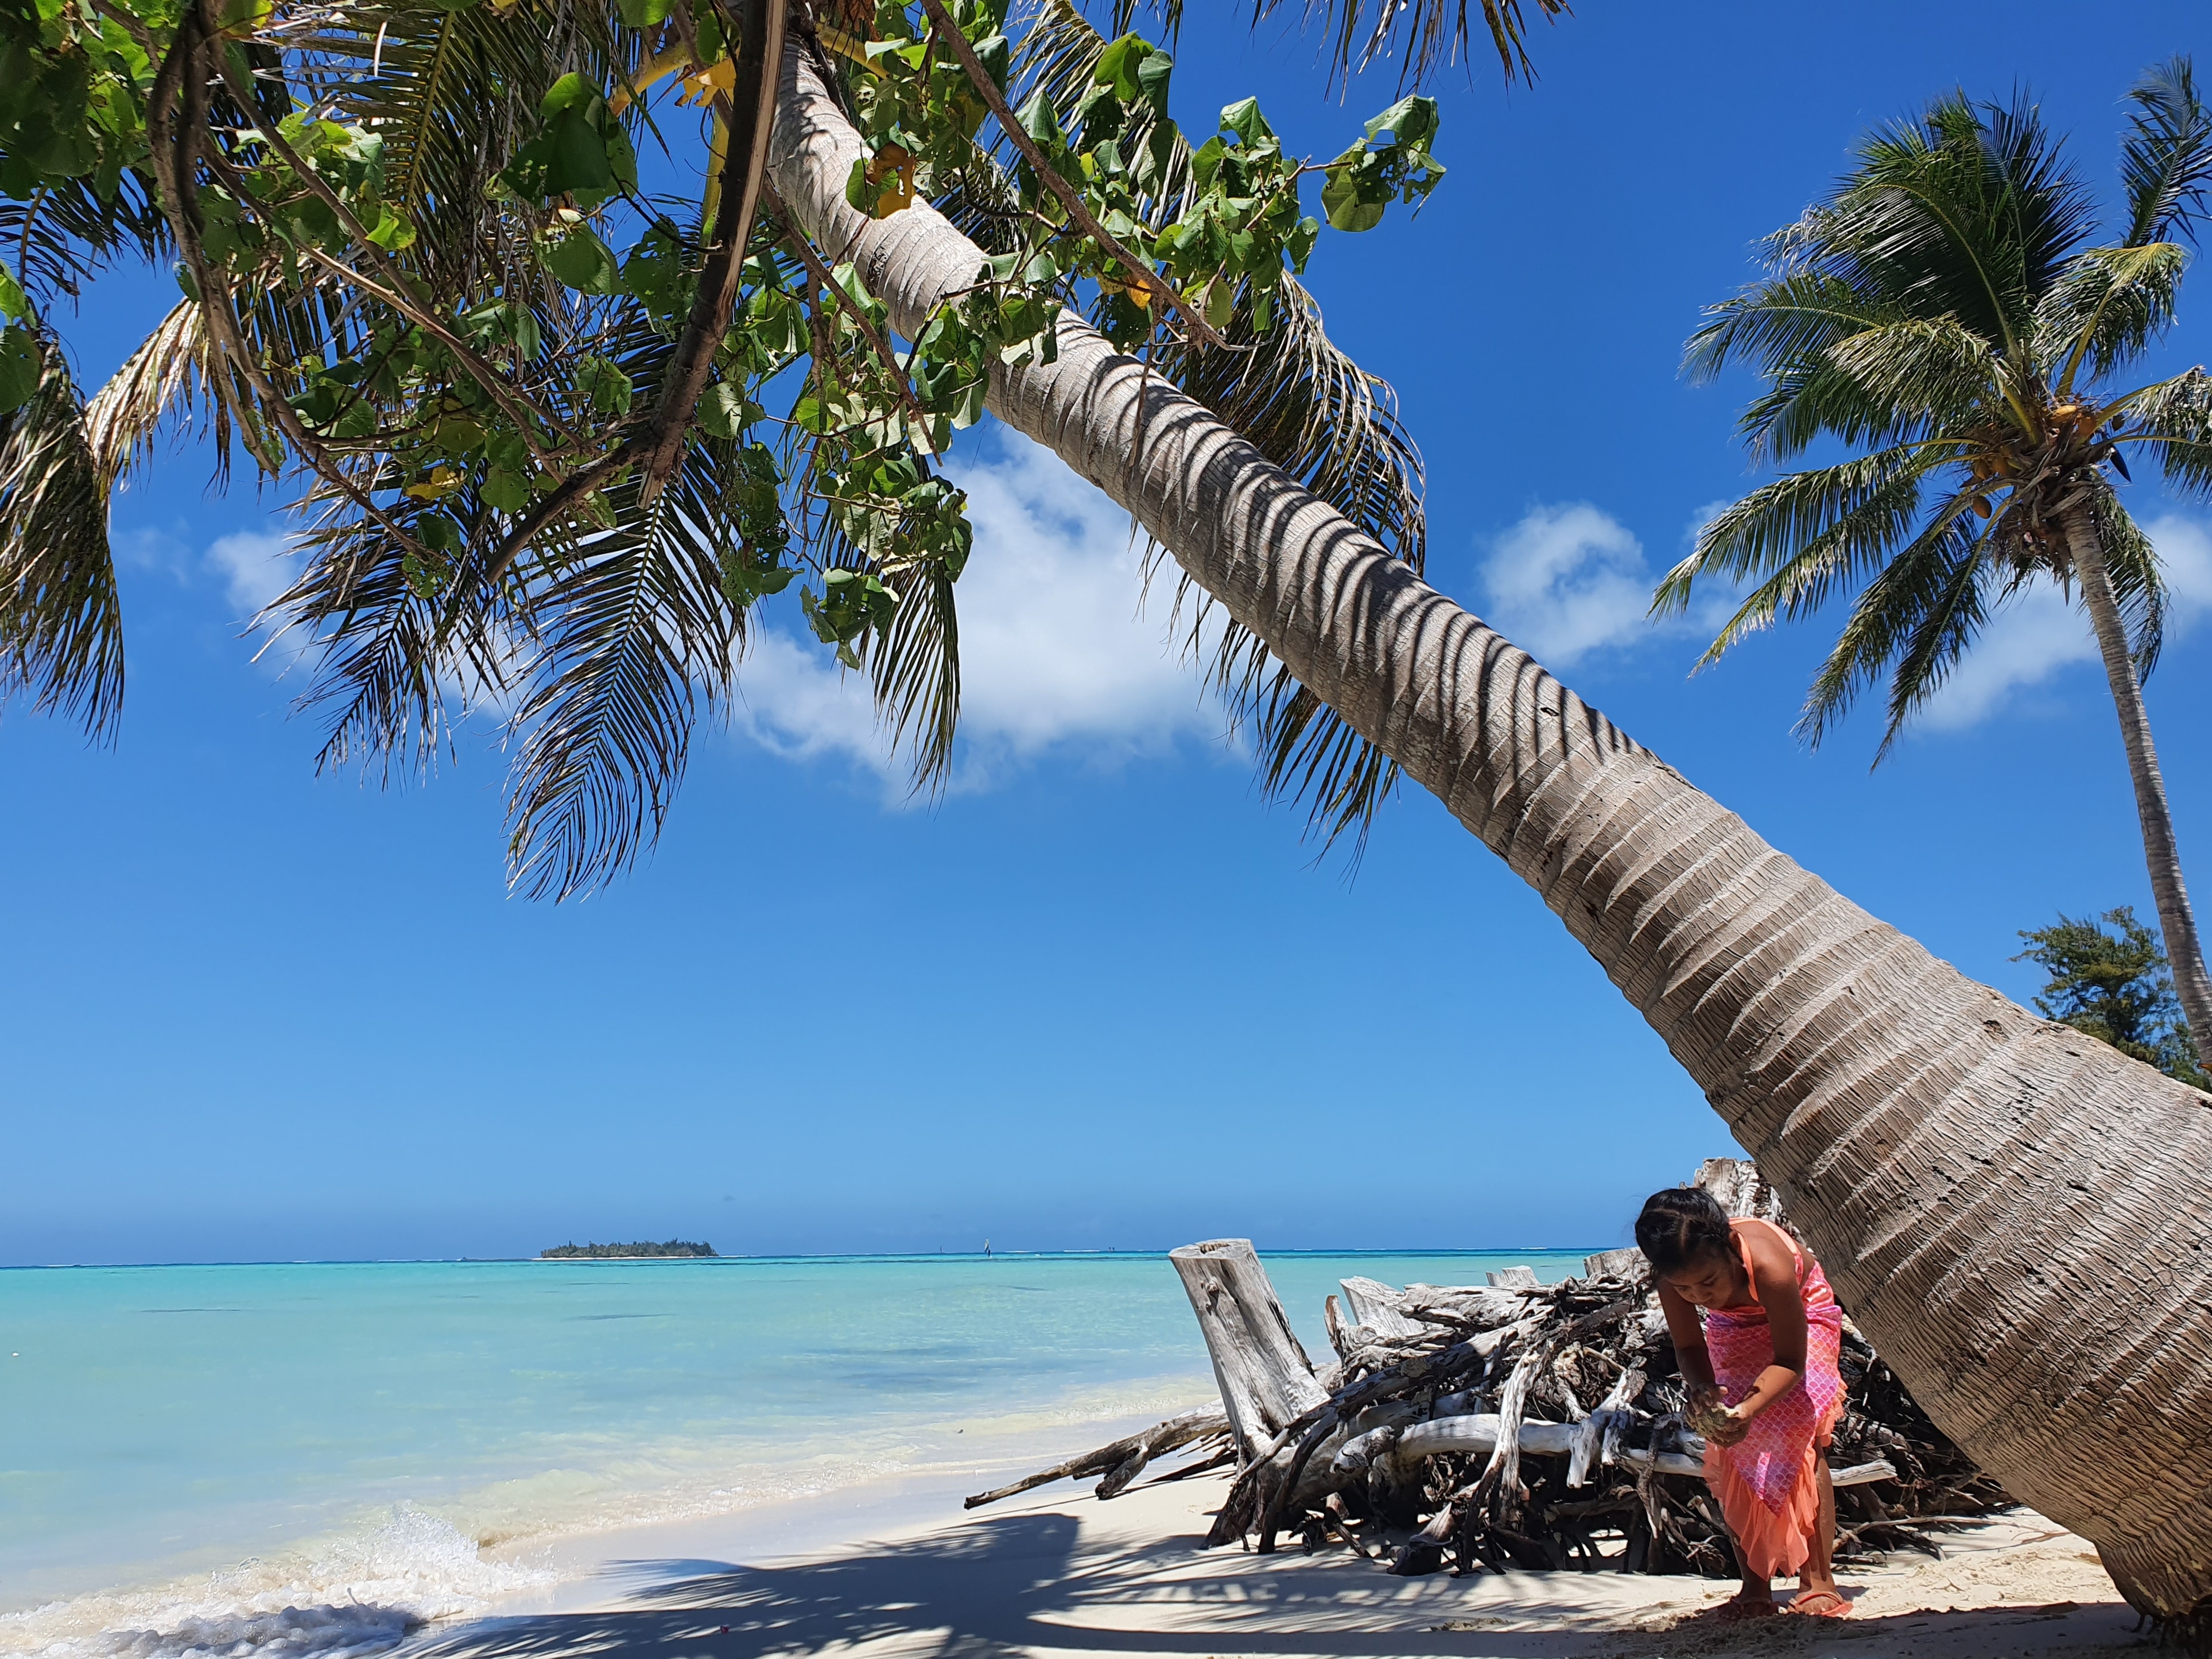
348	1597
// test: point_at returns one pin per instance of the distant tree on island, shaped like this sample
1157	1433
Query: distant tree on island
674	1247
2117	986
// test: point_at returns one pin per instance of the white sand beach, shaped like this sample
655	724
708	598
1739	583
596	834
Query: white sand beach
1056	1573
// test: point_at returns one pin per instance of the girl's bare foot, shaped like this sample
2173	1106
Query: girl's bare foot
1751	1601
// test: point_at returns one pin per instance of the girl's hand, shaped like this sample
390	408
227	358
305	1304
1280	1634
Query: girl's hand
1706	1407
1729	1427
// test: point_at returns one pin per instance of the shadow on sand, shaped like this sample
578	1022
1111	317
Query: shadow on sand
1018	1584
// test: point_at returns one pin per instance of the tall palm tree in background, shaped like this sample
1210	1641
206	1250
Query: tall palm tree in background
1978	1180
1945	311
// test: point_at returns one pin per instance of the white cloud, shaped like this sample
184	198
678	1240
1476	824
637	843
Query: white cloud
1568	581
2040	630
1057	648
255	566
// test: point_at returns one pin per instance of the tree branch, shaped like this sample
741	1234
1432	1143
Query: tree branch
759	60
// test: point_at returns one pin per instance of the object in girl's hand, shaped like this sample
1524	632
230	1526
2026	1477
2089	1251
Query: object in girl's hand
1707	1417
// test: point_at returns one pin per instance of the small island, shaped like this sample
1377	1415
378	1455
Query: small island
674	1247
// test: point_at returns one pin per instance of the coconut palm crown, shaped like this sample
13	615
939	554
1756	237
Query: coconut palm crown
1949	312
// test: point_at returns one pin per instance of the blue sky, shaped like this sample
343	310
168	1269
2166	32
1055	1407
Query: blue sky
1100	995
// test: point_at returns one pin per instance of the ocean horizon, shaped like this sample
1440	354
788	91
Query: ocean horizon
1489	1252
291	1457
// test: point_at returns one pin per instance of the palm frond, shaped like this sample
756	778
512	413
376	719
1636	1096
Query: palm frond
2107	307
1789	329
2138	578
1318	415
1926	374
1946	614
1806	534
633	637
2165	161
1420	34
167	379
1913	621
395	669
64	234
61	625
1798	314
450	92
914	670
1966	212
2173	420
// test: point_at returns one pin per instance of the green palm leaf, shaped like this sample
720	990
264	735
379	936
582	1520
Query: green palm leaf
1913	622
2165	161
1808	535
634	641
2173	420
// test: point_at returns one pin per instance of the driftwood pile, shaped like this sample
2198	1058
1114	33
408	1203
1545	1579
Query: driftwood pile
1509	1425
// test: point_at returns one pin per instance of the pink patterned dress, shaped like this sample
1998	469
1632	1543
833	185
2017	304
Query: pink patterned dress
1768	1481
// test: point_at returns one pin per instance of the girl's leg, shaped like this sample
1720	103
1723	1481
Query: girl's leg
1819	1573
1817	1591
1755	1598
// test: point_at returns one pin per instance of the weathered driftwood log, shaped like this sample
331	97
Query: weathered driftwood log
1615	1264
1121	1461
1739	1189
1265	1380
1375	1305
1522	1425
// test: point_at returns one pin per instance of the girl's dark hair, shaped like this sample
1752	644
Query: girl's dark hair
1679	1225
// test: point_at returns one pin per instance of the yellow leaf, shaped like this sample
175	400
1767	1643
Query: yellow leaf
892	168
442	481
700	88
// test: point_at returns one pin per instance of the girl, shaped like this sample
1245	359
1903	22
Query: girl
1764	1387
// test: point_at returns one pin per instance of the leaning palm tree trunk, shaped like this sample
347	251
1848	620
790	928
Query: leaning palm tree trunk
2175	919
2013	1210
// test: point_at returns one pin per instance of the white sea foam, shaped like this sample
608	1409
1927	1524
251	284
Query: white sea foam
344	1597
359	1592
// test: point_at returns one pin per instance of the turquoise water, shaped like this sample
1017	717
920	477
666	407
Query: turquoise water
181	1446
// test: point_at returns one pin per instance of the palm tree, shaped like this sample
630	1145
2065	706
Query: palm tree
1944	311
1978	1180
1976	1176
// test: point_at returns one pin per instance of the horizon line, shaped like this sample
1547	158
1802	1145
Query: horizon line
1150	1253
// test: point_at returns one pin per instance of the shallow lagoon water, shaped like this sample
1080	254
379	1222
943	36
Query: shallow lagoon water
195	1454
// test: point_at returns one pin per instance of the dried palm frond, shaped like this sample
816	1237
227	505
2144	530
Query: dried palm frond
166	379
61	629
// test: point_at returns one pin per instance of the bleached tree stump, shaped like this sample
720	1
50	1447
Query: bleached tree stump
1265	1380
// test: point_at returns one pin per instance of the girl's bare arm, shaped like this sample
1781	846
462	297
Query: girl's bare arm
1689	1341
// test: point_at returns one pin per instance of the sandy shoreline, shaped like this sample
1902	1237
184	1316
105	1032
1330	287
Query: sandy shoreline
896	1570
